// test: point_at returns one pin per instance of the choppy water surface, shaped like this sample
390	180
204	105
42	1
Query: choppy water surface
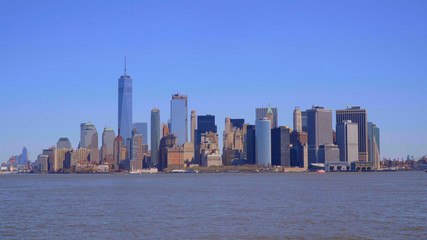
215	206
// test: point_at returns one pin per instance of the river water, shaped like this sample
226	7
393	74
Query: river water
390	205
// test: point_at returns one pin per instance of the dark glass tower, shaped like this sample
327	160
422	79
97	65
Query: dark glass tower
125	106
205	124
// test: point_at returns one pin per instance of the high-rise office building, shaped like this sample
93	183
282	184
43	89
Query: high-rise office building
263	142
89	139
280	146
43	163
125	106
374	145
135	154
304	124
232	140
329	153
297	120
108	137
118	154
63	143
193	126
168	141
141	128
208	150
347	141
179	121
319	123
359	116
205	123
269	113
250	146
155	136
23	158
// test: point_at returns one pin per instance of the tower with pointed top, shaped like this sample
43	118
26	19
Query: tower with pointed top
269	113
125	106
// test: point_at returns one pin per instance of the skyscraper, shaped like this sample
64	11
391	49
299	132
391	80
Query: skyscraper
297	120
359	116
374	144
125	106
179	121
141	128
261	113
205	123
23	158
347	141
63	143
107	145
135	148
263	142
118	154
155	135
249	142
304	124
280	146
89	139
232	140
193	127
319	123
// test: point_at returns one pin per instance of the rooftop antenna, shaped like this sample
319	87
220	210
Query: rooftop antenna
125	64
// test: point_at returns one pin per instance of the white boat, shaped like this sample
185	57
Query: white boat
320	171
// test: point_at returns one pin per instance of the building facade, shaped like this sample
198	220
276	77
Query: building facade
155	136
347	141
261	113
319	123
141	128
281	146
125	106
179	121
359	116
63	143
263	142
297	120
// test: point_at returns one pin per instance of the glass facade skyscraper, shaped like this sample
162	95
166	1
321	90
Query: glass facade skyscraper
125	107
179	120
155	136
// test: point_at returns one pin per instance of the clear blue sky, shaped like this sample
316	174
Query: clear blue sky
60	61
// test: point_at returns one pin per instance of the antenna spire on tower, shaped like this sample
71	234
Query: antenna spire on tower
125	64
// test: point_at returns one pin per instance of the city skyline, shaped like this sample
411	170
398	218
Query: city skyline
285	65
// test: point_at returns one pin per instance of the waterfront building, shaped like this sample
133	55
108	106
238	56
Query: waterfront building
108	137
359	116
319	122
347	141
141	128
269	113
208	150
135	153
180	157
193	126
280	146
63	143
125	106
43	163
155	136
89	139
168	141
232	140
299	155
263	142
205	124
329	153
60	155
119	153
51	158
179	121
297	120
374	145
250	145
